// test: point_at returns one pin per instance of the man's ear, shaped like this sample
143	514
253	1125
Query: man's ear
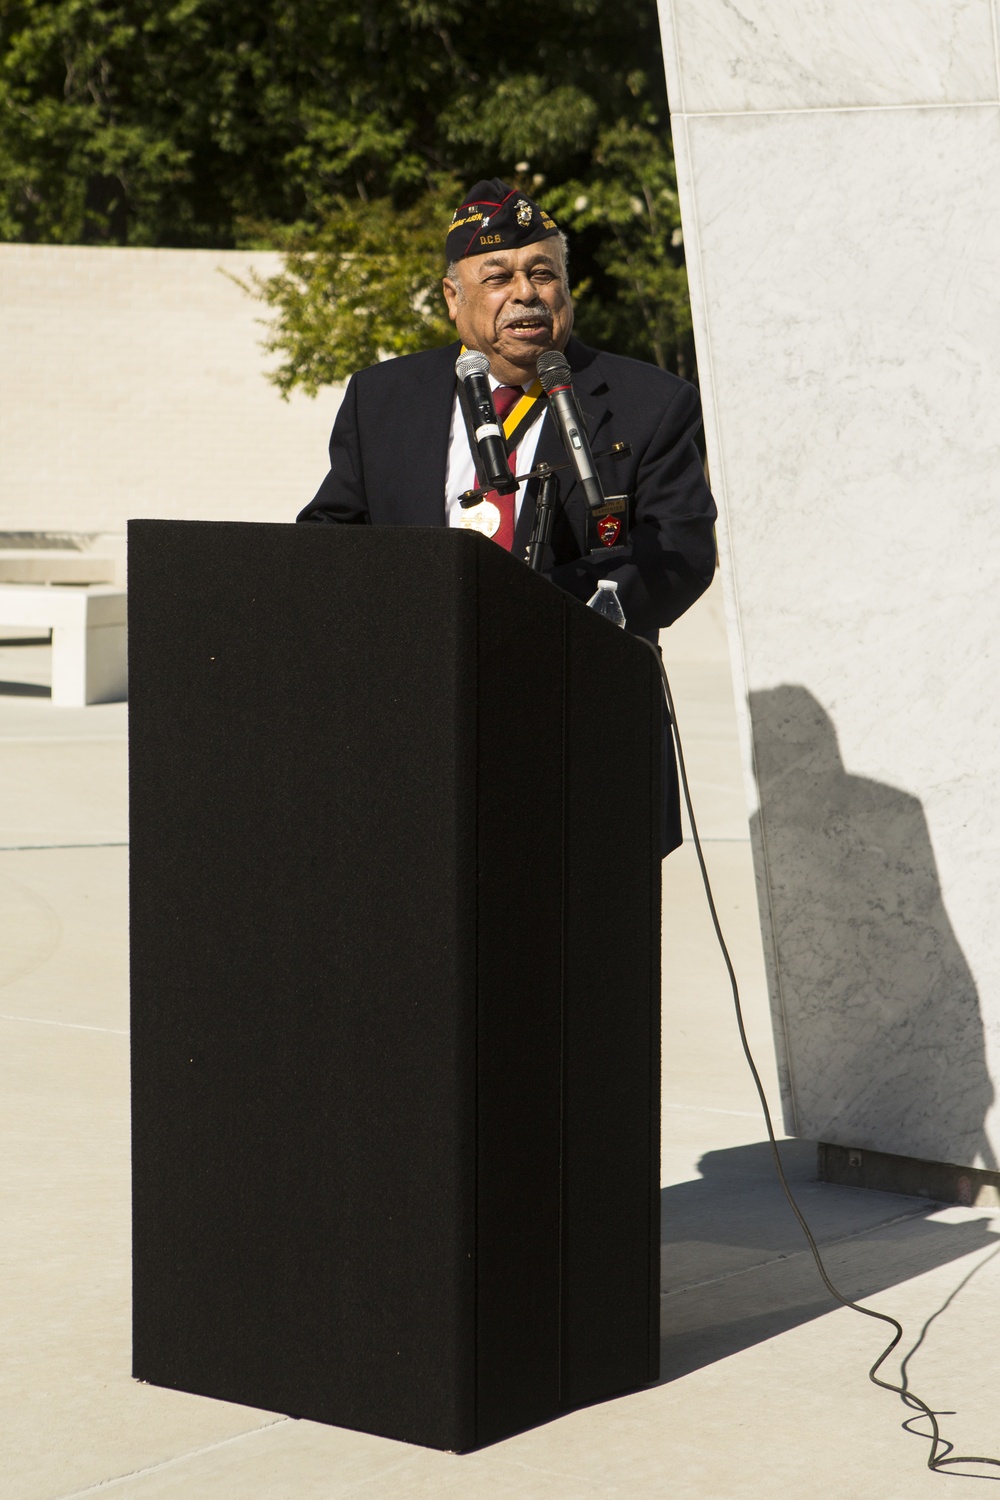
452	297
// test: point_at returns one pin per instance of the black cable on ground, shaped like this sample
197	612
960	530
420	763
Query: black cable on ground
940	1448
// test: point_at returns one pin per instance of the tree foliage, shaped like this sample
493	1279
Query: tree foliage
341	131
361	286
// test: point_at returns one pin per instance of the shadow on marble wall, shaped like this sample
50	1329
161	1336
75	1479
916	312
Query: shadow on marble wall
735	1269
880	1009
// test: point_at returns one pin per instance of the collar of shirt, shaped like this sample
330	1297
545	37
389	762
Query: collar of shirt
460	473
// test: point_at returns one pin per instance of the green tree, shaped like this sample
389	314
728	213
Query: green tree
336	130
363	285
626	218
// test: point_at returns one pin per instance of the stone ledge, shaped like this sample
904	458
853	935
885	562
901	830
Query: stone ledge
851	1166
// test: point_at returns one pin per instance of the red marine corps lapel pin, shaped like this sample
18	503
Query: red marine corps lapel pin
608	528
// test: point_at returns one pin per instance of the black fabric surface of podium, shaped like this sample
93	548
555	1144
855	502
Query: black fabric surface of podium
395	927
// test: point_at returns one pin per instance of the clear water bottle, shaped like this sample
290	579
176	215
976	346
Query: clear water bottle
606	602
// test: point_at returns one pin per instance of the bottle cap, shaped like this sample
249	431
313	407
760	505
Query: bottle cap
607	583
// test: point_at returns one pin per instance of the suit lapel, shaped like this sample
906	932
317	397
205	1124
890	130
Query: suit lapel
591	391
425	424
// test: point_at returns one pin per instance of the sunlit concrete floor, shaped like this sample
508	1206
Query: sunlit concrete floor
763	1389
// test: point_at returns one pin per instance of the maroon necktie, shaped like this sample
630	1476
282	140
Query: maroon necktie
505	398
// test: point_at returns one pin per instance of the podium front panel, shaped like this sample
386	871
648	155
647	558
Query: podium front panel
393	1056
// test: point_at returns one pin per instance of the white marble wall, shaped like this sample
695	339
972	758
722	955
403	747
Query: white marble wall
132	384
839	169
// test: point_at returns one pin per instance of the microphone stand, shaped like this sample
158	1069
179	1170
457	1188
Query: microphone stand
545	504
545	509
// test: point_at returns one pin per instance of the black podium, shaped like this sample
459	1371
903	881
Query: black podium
395	916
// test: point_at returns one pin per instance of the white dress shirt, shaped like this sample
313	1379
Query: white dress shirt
460	474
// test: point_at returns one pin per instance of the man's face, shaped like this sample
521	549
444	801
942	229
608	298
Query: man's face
512	304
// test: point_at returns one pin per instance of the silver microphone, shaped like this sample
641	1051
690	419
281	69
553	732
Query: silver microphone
557	382
472	369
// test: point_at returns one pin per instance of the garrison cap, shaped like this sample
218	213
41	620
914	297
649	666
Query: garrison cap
495	216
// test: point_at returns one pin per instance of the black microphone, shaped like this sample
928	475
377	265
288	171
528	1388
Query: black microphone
472	369
557	381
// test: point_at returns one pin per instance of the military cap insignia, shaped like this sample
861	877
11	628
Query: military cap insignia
511	217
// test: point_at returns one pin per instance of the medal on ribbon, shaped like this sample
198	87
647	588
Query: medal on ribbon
484	517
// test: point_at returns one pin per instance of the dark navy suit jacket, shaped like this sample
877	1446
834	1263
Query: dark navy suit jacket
389	454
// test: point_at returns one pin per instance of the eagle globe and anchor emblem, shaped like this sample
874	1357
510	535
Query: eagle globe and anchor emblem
522	210
608	528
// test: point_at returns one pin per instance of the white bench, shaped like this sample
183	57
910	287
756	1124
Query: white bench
89	661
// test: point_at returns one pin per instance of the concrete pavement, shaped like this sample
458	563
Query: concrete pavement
763	1391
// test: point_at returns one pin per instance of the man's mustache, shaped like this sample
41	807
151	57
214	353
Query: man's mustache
529	310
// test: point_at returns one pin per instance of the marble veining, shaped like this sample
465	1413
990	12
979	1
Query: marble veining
731	56
847	306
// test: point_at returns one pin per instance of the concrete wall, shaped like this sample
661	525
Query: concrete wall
839	169
132	384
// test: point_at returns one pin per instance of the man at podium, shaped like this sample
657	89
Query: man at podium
401	451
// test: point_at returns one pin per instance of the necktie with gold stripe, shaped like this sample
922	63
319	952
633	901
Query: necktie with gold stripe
505	398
